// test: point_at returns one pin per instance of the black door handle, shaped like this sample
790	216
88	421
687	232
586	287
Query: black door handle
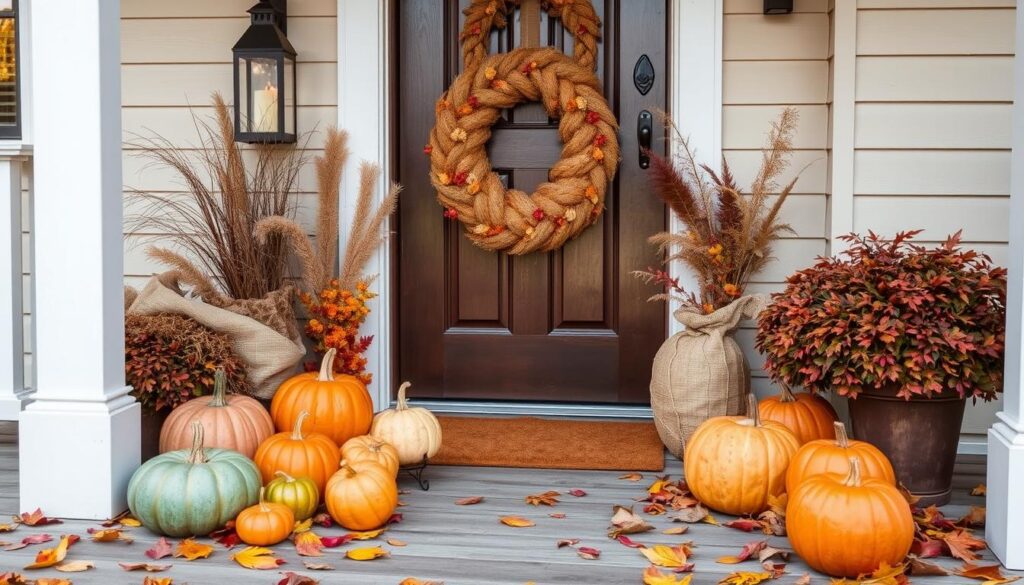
644	132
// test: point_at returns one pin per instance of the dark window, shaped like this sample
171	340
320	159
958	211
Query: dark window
10	93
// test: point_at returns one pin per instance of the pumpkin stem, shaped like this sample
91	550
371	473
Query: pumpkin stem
284	476
401	396
219	384
842	439
347	468
327	366
197	455
753	412
787	394
297	429
263	501
853	479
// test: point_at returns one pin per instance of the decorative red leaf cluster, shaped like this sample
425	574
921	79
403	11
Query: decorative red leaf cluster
890	314
170	359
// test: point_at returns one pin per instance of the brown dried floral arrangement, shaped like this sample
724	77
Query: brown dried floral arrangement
228	190
729	233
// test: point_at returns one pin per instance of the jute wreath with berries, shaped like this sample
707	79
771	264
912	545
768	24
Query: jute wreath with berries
509	220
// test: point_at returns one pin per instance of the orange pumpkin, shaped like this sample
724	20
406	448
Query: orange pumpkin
846	525
313	455
265	523
370	448
733	464
361	495
809	416
833	456
339	407
230	422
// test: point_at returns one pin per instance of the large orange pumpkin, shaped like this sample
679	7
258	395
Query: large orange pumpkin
312	455
370	448
845	525
265	523
734	463
361	495
230	422
833	456
809	416
338	406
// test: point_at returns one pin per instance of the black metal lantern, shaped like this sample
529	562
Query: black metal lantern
264	63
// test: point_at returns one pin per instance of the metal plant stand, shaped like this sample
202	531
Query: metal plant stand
416	472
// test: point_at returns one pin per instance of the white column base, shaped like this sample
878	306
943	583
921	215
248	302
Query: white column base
11	404
1004	521
76	457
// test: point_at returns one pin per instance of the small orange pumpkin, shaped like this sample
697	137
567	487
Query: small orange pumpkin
809	416
338	406
313	455
231	421
361	495
845	525
265	523
370	448
733	464
833	456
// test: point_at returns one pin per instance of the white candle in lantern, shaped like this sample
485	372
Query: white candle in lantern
264	107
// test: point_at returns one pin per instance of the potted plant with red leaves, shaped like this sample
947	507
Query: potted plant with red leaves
701	372
907	332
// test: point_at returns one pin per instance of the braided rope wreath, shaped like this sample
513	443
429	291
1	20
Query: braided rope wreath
500	219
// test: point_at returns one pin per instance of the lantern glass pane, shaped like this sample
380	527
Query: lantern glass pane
264	93
8	73
244	121
289	96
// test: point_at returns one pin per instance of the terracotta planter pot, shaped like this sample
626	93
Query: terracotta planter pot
151	424
919	436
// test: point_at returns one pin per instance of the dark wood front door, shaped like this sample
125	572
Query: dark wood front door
570	325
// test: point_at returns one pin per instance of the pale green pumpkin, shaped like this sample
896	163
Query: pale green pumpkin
193	491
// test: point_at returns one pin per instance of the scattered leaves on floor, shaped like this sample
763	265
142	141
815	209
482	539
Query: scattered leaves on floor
307	544
979	490
990	574
161	549
323	519
625	521
394	519
34	539
804	579
676	530
291	578
548	498
51	581
110	535
335	541
962	544
414	581
557	515
588	553
156	581
257	557
396	542
744	524
750	549
8	528
192	550
567	542
366	534
366	554
627	541
577	493
148	567
745	578
35	518
922	568
470	501
654	509
775	569
75	566
227	536
673	557
516	521
652	576
302	526
12	578
690	515
318	566
51	556
631	476
975	518
884	575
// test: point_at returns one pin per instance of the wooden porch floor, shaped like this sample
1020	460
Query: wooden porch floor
458	544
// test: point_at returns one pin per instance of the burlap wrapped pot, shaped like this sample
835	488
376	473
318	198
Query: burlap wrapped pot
700	372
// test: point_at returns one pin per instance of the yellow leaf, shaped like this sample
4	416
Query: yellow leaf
158	581
657	486
52	581
308	544
192	550
76	566
730	560
395	542
51	556
130	521
414	581
709	519
366	554
631	477
367	535
8	527
675	530
303	526
516	521
110	535
257	557
652	576
979	490
667	556
745	578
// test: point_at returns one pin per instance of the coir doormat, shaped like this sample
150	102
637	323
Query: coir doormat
549	444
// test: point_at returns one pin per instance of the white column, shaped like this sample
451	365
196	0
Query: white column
1005	519
12	352
79	439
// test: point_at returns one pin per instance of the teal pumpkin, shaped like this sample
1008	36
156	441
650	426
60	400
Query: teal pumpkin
193	491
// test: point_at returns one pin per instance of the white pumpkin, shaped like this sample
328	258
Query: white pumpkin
414	432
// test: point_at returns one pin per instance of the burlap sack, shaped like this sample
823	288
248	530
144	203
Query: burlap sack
700	372
270	357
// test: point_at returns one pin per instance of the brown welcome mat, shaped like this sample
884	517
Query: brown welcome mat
549	444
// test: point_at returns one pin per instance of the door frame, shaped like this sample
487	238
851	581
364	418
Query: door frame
364	110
